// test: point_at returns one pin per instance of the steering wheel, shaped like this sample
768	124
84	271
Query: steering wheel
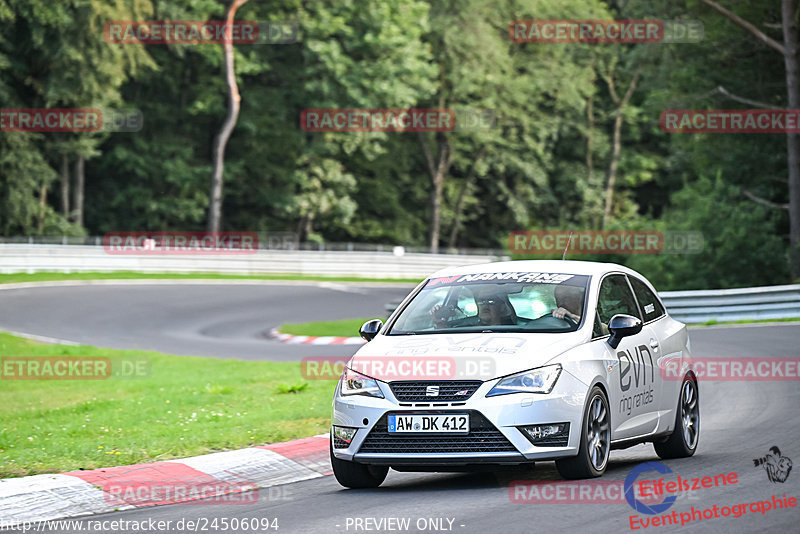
442	313
566	318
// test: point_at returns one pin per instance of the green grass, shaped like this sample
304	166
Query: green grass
186	406
341	328
713	322
46	276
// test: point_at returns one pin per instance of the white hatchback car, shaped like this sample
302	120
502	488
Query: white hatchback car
514	362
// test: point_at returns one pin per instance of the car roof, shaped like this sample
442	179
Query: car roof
590	268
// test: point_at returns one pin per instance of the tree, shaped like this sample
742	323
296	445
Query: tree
480	68
789	51
730	257
354	55
234	100
620	104
53	55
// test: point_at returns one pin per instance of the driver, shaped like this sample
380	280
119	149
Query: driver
569	302
493	310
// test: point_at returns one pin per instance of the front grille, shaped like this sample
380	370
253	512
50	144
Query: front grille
482	437
553	441
449	390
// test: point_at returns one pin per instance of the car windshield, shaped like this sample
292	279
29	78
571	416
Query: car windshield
496	302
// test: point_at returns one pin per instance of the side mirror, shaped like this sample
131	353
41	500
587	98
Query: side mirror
371	328
621	326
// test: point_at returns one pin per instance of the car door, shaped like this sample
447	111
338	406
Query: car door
669	342
633	373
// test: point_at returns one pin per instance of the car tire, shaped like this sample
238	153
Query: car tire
684	438
357	476
595	436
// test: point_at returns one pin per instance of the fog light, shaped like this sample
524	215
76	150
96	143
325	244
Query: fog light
542	431
552	435
342	436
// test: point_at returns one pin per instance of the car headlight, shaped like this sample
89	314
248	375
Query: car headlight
354	383
539	380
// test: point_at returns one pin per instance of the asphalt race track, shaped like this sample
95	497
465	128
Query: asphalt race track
740	421
219	319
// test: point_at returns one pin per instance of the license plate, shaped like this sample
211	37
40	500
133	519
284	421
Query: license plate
451	424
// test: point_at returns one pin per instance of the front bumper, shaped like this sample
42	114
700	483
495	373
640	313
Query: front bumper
496	421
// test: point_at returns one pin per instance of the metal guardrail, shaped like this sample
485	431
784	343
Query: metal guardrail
771	302
775	302
751	303
267	241
78	258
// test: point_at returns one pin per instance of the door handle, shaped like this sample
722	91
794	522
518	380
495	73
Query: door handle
653	344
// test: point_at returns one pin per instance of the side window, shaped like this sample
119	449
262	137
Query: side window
615	297
651	306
